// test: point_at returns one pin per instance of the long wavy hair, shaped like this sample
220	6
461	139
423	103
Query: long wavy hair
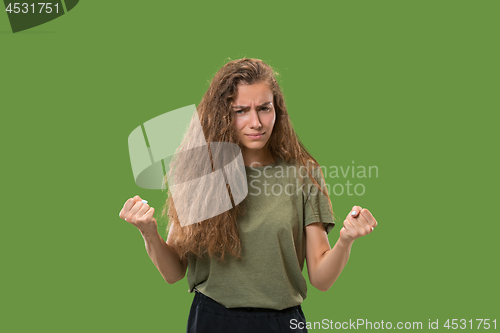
219	236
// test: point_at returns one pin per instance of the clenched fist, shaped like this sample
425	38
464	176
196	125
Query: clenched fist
138	213
359	222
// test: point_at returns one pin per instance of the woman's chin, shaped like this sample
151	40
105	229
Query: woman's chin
254	145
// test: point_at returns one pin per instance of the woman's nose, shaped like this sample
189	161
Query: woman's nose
254	119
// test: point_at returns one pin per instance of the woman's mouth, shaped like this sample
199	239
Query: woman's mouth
255	135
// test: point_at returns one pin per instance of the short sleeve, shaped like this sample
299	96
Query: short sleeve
317	206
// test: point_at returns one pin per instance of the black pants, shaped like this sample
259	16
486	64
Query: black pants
208	316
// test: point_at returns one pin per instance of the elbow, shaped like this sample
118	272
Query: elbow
173	280
170	281
319	283
321	287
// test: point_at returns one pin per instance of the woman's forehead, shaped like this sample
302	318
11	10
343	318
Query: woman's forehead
257	93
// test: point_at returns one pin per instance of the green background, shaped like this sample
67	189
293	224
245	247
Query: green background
408	86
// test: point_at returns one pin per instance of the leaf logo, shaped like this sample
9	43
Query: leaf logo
202	193
28	14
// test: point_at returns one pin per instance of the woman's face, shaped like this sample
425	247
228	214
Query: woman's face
254	114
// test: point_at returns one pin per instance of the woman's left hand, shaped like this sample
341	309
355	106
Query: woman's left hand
359	222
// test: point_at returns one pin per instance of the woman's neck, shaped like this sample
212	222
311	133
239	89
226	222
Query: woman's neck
257	157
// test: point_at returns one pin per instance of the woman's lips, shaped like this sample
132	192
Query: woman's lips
255	136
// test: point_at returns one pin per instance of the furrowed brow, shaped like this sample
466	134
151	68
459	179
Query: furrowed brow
246	107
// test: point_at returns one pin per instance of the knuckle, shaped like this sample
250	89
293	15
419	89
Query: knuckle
143	219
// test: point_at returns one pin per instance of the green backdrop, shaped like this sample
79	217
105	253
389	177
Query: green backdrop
408	86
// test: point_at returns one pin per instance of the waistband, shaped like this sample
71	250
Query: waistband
210	305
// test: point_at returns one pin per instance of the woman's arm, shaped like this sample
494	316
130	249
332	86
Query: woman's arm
138	213
164	257
324	264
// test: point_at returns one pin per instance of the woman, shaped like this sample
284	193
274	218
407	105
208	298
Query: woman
245	265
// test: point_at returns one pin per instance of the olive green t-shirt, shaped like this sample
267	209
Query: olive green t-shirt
279	204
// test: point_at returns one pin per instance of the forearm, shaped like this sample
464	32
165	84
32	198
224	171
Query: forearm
164	257
331	264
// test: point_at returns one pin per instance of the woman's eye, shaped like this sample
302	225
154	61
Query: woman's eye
267	108
239	111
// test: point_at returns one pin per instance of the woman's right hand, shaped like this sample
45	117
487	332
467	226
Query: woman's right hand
140	215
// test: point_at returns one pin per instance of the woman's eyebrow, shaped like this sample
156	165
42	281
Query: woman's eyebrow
246	107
